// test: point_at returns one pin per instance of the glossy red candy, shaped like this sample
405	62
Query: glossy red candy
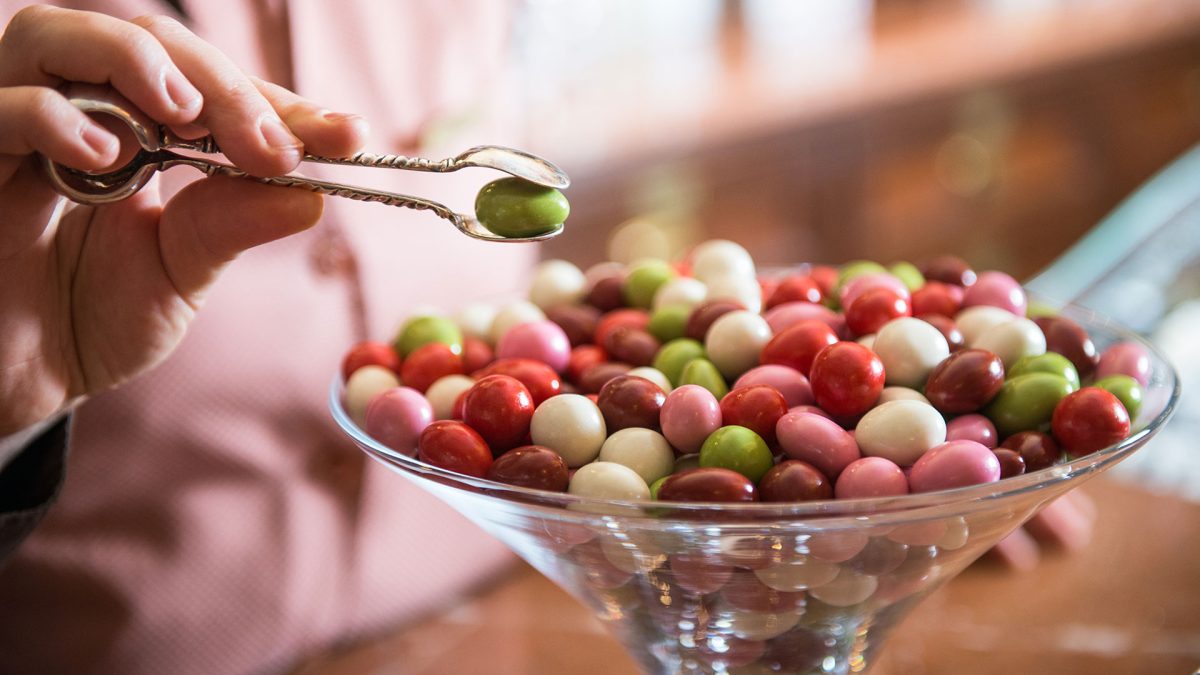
454	446
531	466
630	401
582	358
756	407
499	407
607	294
875	307
476	354
846	378
796	288
594	378
1064	336
637	318
632	345
707	485
577	321
1088	420
427	364
699	573
370	353
1011	463
798	345
826	277
539	378
794	481
938	298
1037	450
965	381
949	269
954	337
703	316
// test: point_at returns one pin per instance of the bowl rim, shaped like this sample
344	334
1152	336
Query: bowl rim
1163	375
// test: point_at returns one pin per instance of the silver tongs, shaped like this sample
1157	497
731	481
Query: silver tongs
157	144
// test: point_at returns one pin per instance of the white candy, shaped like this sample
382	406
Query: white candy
901	431
363	385
639	238
720	257
797	575
900	394
735	287
475	321
556	282
735	340
1012	340
867	341
570	425
654	375
608	480
644	450
849	588
514	314
444	392
760	626
680	292
973	321
909	349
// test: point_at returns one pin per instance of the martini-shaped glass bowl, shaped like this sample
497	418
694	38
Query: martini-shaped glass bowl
811	587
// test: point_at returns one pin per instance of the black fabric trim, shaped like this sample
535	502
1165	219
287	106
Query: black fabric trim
29	484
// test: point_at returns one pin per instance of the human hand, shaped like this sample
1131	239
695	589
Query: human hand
1066	523
107	292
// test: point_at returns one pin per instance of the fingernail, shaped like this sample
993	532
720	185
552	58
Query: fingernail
331	116
277	135
181	92
98	139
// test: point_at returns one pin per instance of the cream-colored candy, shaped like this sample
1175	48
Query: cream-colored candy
735	340
680	292
721	257
570	425
901	431
608	480
900	394
556	282
973	321
475	320
744	290
762	625
797	575
1012	340
867	341
514	314
909	349
654	375
444	392
364	384
849	588
644	450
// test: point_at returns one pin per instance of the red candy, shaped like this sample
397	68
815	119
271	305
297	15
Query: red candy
476	354
631	401
635	318
582	358
539	378
949	330
703	316
875	307
577	321
454	446
797	346
949	269
531	466
499	407
707	485
1064	336
794	481
794	289
594	378
938	298
757	407
965	381
370	353
1088	420
429	363
1037	450
631	345
846	378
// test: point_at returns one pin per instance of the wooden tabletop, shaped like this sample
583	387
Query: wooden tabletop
1128	603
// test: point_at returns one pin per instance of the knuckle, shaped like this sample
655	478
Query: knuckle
24	23
157	23
41	104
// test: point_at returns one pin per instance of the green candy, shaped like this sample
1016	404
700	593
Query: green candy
702	372
644	280
737	449
423	330
675	354
909	274
1026	402
669	323
857	268
515	208
1050	362
657	485
1037	309
1126	389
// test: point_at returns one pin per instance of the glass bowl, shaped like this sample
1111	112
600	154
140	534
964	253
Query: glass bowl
749	588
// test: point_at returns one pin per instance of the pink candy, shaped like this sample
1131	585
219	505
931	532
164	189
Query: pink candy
972	427
396	417
996	289
865	282
788	381
1125	358
542	341
954	464
871	477
817	440
688	416
784	316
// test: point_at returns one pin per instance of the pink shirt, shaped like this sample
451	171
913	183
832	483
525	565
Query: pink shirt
214	520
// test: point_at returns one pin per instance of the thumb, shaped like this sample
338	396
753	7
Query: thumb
213	220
